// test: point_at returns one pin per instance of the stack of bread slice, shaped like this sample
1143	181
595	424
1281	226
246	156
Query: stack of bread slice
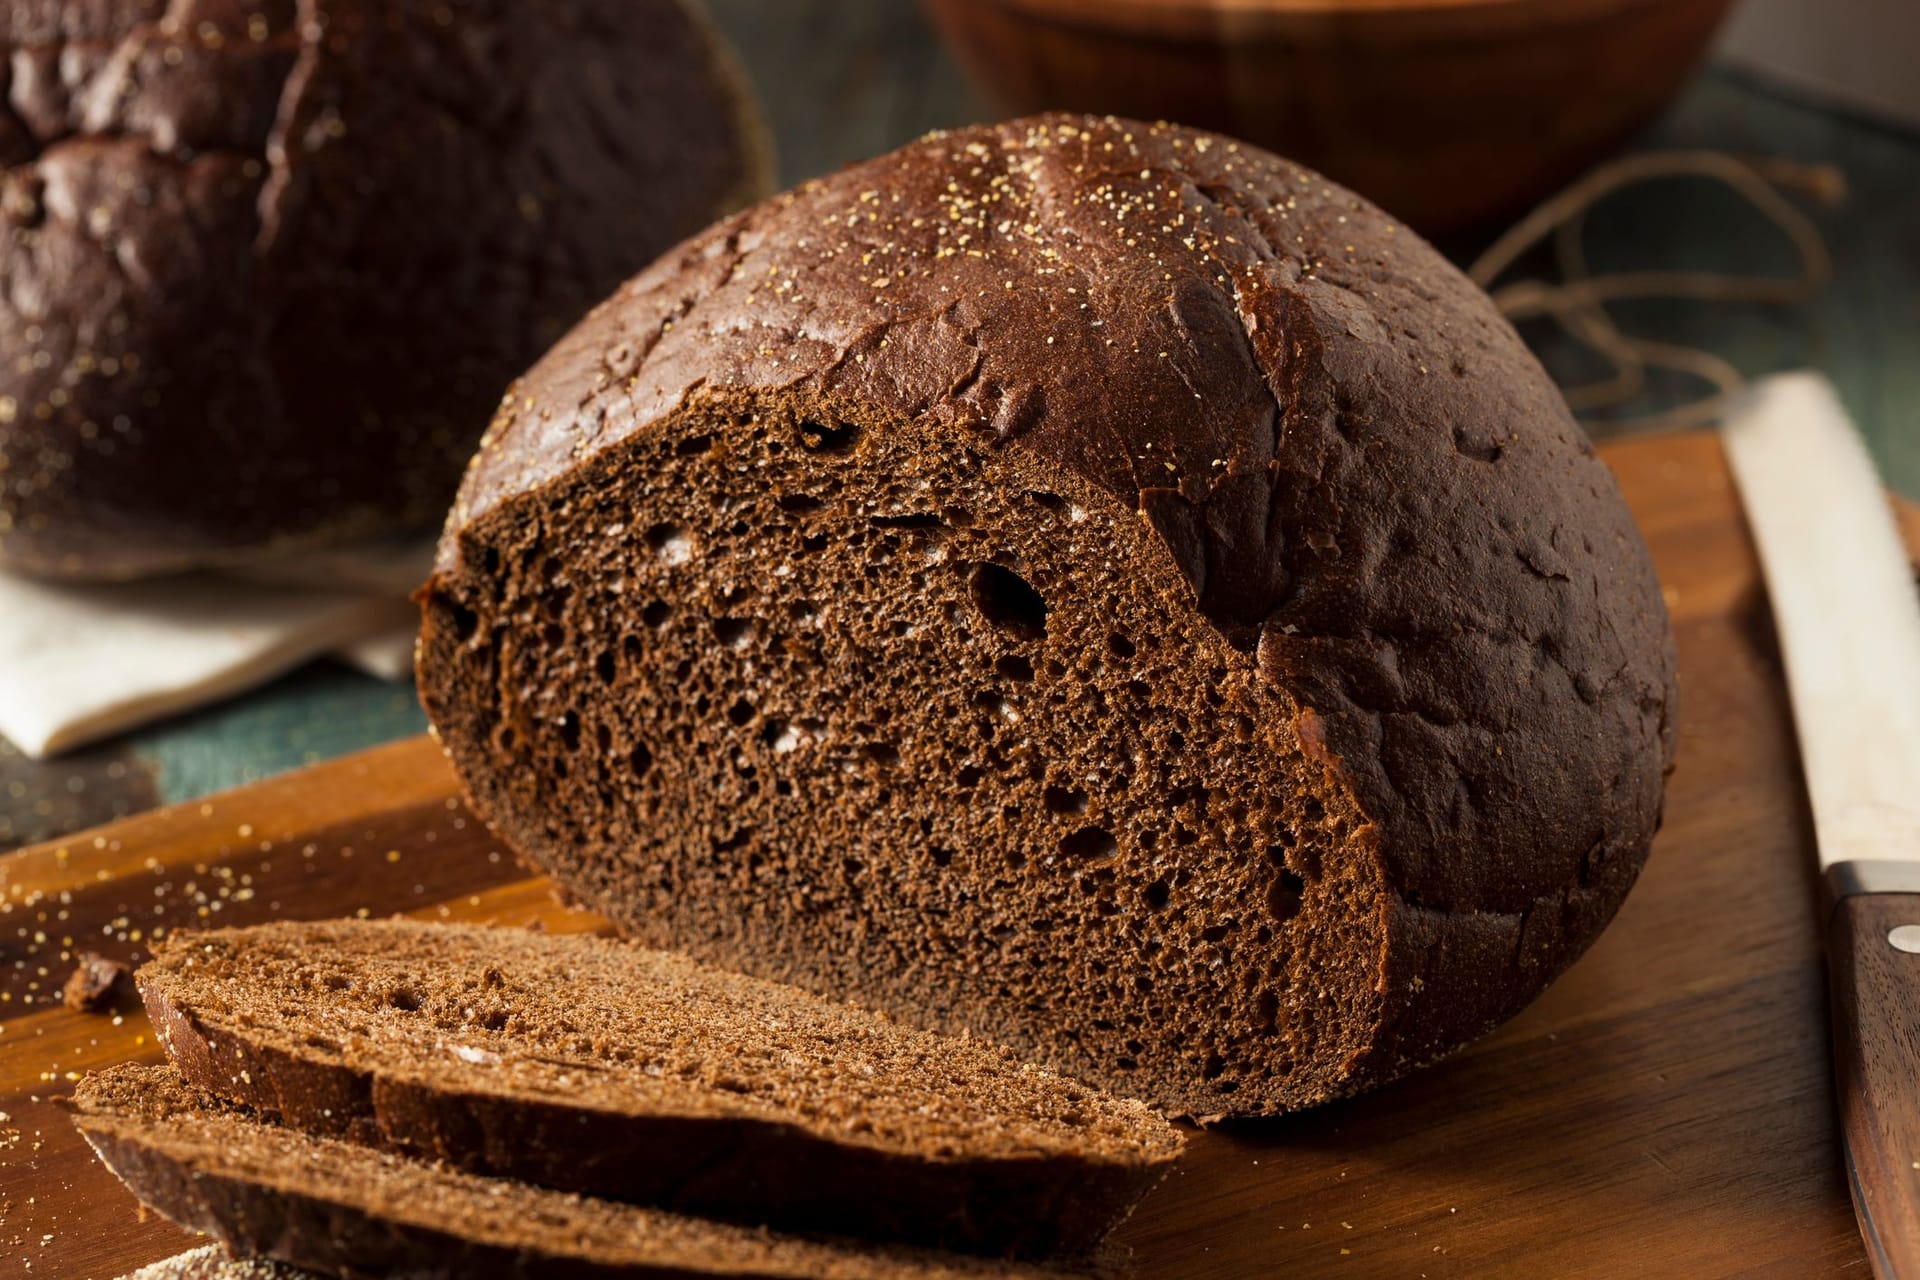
387	1097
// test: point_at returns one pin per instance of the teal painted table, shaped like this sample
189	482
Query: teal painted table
845	79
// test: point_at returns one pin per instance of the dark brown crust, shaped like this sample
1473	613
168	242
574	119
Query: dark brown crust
1029	1204
268	265
1371	487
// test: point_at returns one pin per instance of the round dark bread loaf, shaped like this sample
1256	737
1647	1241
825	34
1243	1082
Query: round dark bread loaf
269	264
1094	584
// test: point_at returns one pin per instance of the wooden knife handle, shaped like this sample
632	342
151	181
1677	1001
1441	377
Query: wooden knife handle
1876	1044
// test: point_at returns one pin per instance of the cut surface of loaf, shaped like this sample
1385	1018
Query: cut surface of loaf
593	1065
1090	583
269	266
335	1207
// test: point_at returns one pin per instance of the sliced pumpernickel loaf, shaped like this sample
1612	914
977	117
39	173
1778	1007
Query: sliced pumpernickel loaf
1090	583
342	1209
593	1065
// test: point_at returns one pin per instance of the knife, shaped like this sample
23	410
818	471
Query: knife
1848	618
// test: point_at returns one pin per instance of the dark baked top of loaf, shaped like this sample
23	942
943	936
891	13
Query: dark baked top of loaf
150	1109
602	1025
1368	482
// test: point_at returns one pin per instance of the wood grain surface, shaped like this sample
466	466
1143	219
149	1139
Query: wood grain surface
1665	1110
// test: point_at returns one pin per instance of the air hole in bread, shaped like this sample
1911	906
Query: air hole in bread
920	520
1013	667
656	613
798	503
740	712
732	632
1051	501
670	542
1284	896
824	437
404	998
1120	647
569	726
605	667
1008	601
640	760
1066	800
465	621
883	753
1089	842
693	445
989	700
942	856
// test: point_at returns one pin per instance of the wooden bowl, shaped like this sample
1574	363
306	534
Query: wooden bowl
1449	113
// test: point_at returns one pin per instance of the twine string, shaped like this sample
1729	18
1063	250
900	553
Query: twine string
1577	302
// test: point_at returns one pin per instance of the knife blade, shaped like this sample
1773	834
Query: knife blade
1848	618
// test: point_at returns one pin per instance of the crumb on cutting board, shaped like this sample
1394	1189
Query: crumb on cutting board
94	982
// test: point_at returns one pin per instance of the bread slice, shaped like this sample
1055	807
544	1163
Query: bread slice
1086	582
271	1192
593	1065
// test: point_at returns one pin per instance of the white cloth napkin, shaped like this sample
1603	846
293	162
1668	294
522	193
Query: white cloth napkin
82	662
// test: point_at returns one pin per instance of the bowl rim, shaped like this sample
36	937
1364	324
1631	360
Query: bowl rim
1245	17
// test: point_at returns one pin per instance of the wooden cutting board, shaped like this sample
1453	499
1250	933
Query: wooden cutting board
1664	1110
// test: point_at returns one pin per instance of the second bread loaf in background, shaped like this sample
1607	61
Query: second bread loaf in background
269	265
